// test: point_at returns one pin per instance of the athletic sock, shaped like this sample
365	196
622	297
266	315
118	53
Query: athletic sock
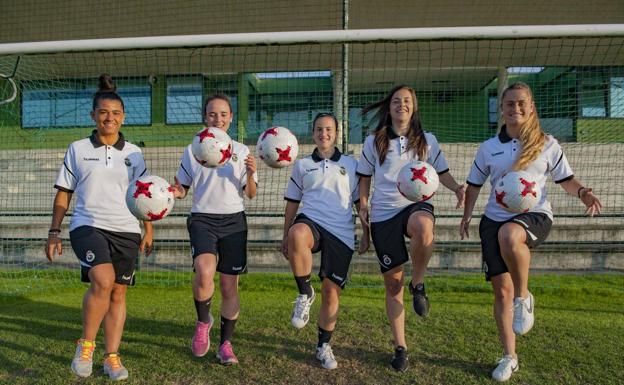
323	336
203	310
227	329
304	285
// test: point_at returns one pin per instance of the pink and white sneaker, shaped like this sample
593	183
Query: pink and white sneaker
226	354
201	340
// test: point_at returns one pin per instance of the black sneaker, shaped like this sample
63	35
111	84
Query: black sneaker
399	361
420	301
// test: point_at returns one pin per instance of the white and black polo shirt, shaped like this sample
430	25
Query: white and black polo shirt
387	201
217	190
99	176
327	190
496	156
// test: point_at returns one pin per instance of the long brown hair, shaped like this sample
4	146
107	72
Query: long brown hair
532	137
416	136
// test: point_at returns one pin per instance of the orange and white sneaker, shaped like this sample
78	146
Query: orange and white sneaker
113	367
82	364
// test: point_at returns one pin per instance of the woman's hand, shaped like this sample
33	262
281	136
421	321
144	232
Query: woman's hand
53	245
590	201
147	242
284	247
364	217
179	191
463	227
460	193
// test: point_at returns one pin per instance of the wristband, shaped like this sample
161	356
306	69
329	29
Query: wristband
54	231
579	191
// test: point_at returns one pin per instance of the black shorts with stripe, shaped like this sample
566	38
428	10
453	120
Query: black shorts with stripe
94	246
536	225
389	236
224	235
335	254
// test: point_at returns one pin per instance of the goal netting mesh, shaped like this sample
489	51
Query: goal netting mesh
578	84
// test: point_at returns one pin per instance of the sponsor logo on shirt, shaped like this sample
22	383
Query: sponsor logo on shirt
91	159
312	169
235	157
498	153
128	162
343	170
89	256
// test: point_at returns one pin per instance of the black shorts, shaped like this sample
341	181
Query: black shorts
536	225
95	246
224	235
335	254
389	236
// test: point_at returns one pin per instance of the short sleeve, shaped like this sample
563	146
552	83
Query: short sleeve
67	178
558	165
185	171
436	157
294	188
479	171
366	164
139	169
355	193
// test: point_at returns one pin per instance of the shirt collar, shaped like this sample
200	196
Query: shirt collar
334	158
391	133
502	135
119	145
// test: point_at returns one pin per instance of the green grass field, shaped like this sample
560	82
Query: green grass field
578	337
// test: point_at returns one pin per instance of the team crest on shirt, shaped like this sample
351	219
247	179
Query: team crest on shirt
343	170
235	157
128	162
89	256
386	260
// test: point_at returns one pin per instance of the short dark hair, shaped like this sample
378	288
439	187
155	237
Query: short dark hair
106	91
324	115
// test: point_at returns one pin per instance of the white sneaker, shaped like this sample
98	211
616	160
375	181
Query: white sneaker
506	366
326	356
524	316
301	311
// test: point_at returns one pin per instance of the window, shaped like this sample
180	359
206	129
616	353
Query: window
68	103
184	99
602	93
616	97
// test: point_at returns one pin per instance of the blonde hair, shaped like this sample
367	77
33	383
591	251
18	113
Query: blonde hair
415	136
532	137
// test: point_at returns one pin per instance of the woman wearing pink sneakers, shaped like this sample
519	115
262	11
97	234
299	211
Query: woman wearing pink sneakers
506	238
105	236
218	229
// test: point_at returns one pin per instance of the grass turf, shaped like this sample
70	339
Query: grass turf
578	337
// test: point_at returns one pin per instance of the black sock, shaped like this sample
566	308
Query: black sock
227	329
304	285
203	310
323	336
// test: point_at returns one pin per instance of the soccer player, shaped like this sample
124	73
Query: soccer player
218	229
506	238
326	184
105	236
397	140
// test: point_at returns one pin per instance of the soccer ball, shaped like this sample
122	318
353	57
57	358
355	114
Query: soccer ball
277	147
212	147
417	181
150	198
517	192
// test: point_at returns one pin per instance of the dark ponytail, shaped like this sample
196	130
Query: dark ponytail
106	91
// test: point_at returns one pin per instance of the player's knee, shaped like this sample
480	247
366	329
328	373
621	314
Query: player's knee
394	287
420	230
504	293
331	291
298	233
229	288
118	294
510	235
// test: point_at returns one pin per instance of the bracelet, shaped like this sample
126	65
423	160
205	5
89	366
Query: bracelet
579	191
54	231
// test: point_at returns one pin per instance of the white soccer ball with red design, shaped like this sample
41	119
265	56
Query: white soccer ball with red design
277	147
517	192
212	147
418	181
150	198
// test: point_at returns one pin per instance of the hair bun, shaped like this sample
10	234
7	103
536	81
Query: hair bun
106	83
